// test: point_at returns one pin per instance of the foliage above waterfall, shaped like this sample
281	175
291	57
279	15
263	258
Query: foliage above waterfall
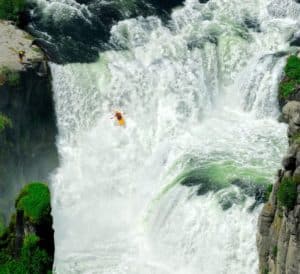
290	83
34	199
11	9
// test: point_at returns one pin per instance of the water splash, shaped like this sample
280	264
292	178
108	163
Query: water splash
200	91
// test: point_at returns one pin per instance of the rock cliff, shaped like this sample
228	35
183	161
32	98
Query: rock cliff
27	119
278	236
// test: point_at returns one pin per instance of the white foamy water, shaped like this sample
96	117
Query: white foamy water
198	94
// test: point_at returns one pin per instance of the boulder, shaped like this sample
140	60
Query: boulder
291	109
296	118
289	162
296	175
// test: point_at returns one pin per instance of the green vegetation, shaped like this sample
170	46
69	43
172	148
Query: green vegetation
34	199
292	68
289	84
274	251
268	192
33	259
296	138
35	255
287	193
11	9
2	227
11	77
4	122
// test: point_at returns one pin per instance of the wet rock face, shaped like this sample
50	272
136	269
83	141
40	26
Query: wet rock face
27	147
278	236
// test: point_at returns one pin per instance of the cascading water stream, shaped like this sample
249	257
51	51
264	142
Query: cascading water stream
171	192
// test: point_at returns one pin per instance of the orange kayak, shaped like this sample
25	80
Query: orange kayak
121	122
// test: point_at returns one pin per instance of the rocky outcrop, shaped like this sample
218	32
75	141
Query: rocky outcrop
278	237
13	40
28	128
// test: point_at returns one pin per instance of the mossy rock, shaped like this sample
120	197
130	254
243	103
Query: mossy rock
274	251
33	256
34	200
4	122
11	77
295	138
291	82
2	226
33	259
287	193
277	224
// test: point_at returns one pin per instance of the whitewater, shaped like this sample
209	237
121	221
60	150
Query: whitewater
173	191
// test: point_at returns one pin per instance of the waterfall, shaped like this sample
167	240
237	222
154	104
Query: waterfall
174	191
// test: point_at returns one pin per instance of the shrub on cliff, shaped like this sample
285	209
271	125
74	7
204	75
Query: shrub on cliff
287	193
12	78
22	252
11	9
4	122
291	80
292	68
34	200
33	259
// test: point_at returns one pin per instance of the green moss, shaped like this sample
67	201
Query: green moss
30	241
287	193
268	192
287	87
2	228
34	199
4	122
296	138
33	260
11	9
36	49
292	68
12	78
274	251
292	77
